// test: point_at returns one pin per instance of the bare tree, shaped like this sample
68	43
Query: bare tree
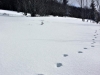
97	2
97	12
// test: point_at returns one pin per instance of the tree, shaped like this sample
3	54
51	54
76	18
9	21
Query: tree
93	10
65	3
81	3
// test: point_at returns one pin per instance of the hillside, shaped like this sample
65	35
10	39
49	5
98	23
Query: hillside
48	46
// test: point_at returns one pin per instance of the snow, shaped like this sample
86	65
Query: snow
11	13
29	48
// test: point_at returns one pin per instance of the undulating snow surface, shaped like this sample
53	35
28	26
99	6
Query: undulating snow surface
49	46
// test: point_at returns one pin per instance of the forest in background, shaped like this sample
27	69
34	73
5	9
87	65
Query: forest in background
53	7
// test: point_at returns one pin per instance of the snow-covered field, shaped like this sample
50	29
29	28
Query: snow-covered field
60	46
12	13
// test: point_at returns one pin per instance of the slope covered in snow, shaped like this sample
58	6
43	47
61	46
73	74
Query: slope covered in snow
48	46
11	13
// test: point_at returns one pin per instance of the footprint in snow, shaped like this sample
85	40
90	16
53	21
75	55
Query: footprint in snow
42	23
80	52
59	64
85	48
65	55
93	39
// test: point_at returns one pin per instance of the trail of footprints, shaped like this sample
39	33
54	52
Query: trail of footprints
66	55
59	64
92	45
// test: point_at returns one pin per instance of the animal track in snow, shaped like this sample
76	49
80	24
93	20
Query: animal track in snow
42	23
59	64
65	55
85	48
80	52
93	39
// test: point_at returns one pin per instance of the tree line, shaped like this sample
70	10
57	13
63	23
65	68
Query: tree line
41	7
53	7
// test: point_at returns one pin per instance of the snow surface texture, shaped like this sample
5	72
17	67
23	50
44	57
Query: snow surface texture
48	46
11	13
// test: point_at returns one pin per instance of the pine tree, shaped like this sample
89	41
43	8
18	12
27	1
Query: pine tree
93	9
